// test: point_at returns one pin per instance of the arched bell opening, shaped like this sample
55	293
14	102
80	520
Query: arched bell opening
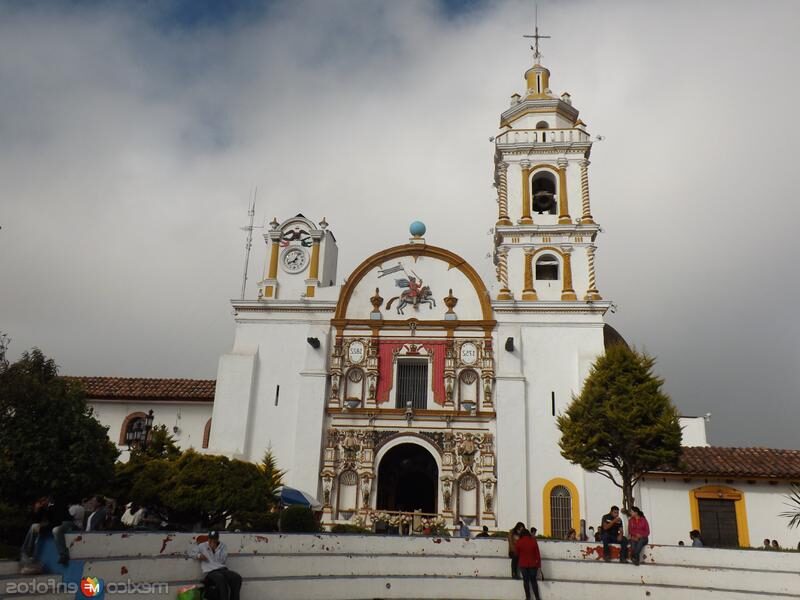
543	193
407	480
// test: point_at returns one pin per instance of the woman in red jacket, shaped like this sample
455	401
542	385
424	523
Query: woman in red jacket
530	561
638	532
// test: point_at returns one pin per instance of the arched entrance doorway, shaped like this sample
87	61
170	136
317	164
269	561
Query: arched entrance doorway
407	480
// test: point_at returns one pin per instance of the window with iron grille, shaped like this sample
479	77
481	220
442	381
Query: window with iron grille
560	512
412	383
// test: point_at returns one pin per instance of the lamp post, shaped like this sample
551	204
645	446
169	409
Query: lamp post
138	435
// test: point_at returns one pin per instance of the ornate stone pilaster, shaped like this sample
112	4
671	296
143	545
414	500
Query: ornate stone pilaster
271	279
501	181
592	293
528	292
526	193
586	217
567	292
502	274
563	202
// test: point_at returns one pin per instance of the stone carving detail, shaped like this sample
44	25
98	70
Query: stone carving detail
469	447
366	489
447	492
488	494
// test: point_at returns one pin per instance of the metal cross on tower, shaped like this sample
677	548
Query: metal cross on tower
536	37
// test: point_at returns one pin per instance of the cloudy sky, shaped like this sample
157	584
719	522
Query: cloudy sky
132	133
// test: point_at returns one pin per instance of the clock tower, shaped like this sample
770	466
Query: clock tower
302	259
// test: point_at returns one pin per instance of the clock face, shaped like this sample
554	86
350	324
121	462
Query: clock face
469	353
356	352
294	260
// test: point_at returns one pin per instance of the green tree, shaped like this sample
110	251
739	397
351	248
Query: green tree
793	499
621	425
160	444
50	442
272	474
208	489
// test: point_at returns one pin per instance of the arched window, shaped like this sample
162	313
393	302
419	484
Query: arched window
560	511
561	508
130	424
206	433
542	125
547	268
543	193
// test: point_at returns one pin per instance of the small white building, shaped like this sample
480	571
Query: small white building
417	385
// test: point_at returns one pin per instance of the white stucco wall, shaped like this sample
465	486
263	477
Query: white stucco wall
189	417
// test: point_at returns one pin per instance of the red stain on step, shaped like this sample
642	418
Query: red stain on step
164	543
75	541
123	570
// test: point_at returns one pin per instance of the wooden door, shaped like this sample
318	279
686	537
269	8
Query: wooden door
718	523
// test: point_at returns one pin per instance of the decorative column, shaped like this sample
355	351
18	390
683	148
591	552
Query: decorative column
272	273
563	205
567	293
586	217
313	276
592	293
502	274
501	181
526	193
528	292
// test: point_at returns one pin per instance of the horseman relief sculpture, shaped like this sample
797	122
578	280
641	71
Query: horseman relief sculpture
415	293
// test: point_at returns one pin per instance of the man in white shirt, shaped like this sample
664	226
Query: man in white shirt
212	556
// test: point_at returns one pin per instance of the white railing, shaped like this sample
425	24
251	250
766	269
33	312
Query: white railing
541	136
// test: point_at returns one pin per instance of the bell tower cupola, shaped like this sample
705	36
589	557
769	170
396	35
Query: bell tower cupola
545	232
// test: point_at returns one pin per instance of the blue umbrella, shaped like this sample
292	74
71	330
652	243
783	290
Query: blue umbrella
288	496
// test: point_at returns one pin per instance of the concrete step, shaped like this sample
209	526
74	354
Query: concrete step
13	586
385	588
9	567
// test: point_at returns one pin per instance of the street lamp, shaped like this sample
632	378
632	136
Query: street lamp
138	435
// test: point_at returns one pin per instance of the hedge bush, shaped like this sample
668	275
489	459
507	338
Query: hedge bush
298	519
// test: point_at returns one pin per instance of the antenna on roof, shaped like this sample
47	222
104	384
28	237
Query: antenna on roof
249	244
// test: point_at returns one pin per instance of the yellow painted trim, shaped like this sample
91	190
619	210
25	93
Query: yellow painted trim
568	293
529	293
563	205
576	505
526	196
416	250
273	261
721	492
314	268
268	291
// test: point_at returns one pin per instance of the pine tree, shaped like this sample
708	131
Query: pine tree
621	425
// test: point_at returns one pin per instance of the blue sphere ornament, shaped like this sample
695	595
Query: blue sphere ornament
417	229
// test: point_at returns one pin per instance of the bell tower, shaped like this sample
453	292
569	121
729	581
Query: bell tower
545	232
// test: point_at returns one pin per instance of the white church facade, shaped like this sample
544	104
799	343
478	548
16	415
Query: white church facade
417	386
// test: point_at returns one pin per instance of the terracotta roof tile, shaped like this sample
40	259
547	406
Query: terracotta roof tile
140	388
739	462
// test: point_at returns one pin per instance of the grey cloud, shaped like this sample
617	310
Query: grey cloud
127	153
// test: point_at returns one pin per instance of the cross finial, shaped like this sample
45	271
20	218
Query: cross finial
536	37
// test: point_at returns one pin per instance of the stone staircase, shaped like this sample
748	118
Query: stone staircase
356	567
